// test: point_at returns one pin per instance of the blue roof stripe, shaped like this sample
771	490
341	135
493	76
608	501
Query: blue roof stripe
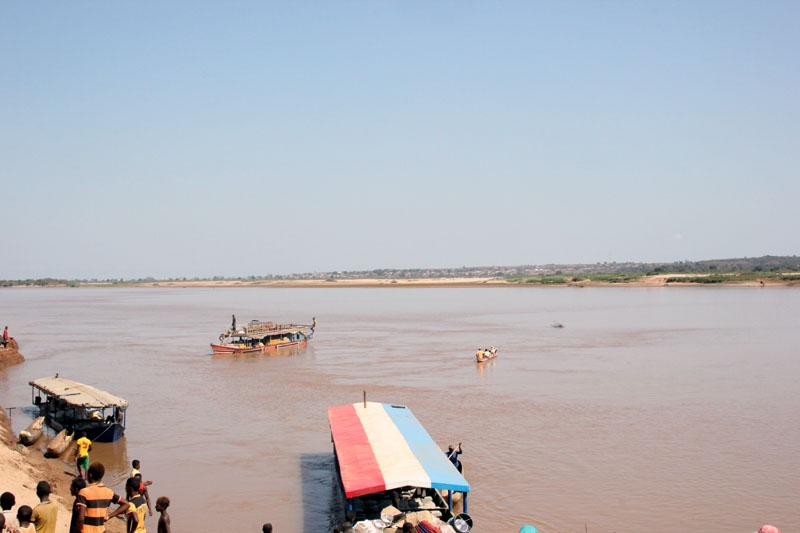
436	464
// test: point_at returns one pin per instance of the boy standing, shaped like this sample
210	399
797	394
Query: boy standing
75	487
7	501
84	446
138	506
44	514
163	520
94	500
24	518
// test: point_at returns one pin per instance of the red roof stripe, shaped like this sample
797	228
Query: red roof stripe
359	469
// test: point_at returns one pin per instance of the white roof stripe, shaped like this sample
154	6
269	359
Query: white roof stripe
399	465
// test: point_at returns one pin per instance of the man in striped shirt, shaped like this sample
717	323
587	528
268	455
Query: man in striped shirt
94	500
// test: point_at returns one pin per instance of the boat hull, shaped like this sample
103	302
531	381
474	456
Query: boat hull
101	431
485	358
59	444
33	432
231	349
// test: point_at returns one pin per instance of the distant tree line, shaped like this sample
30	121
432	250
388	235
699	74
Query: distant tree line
612	272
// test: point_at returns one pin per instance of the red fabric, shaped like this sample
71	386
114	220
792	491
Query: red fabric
359	469
430	527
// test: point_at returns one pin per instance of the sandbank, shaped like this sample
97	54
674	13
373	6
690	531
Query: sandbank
24	467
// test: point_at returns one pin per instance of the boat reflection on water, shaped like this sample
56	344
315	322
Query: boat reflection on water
114	456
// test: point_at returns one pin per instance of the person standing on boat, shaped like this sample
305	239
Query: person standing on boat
233	323
84	446
5	337
452	454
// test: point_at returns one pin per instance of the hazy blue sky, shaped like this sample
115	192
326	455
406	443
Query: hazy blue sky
248	138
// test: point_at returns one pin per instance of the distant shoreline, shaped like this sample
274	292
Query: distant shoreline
660	280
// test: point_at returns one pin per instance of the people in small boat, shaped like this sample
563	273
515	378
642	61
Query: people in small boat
452	453
480	354
266	528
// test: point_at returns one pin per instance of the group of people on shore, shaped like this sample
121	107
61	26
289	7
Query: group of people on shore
90	509
29	519
135	505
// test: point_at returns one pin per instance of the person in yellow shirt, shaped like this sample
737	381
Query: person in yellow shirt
84	446
44	514
137	507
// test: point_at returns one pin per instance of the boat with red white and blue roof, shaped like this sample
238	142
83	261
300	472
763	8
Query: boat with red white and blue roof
385	457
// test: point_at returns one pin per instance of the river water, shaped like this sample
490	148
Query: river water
652	409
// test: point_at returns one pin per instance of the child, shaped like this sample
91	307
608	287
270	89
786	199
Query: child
83	446
7	501
137	507
143	484
24	514
75	487
163	520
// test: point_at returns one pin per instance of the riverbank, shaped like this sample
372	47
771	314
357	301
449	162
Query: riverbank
680	280
24	467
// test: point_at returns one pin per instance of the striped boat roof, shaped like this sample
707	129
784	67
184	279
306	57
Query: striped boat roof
383	447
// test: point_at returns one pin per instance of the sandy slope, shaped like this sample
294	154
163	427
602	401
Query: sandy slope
22	468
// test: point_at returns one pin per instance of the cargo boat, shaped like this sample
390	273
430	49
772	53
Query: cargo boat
76	407
261	337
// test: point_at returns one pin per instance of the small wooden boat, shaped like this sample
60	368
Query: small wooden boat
483	355
60	443
32	433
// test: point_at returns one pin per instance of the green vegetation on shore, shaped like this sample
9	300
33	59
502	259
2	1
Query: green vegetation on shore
776	269
561	279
